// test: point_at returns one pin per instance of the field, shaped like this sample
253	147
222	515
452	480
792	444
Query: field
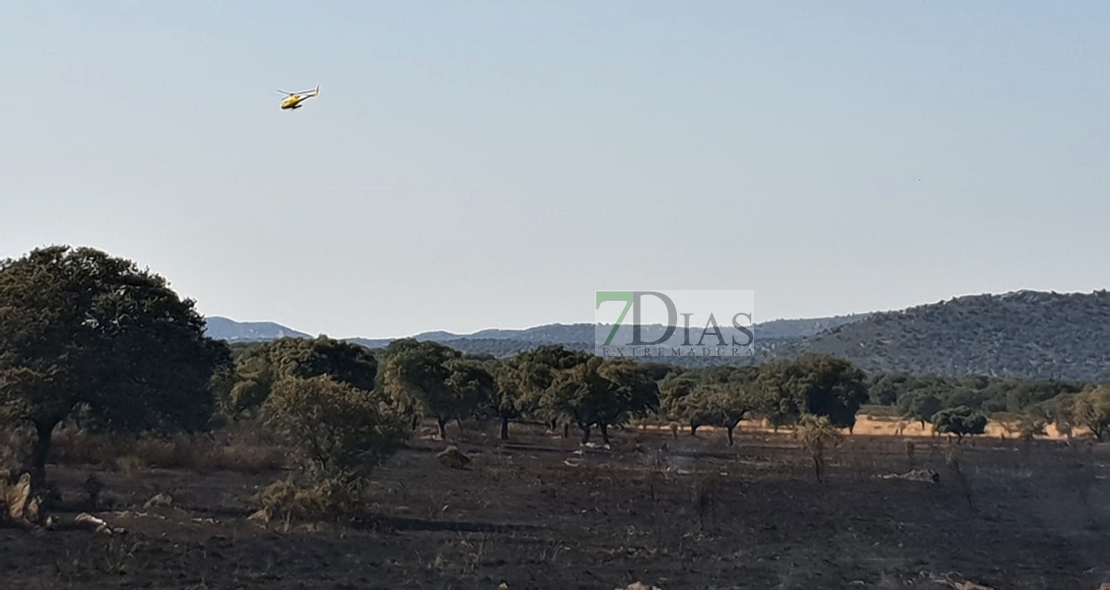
543	512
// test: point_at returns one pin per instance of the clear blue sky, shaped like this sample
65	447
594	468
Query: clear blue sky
492	164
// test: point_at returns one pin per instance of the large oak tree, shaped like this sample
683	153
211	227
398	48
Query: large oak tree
85	332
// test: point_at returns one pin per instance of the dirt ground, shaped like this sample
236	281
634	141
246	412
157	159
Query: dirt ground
686	513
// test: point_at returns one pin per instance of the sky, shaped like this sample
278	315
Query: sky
483	164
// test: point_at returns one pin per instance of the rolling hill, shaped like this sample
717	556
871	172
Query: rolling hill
222	328
582	335
1024	334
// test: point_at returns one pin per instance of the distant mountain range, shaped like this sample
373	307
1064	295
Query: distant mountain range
1024	334
222	328
582	335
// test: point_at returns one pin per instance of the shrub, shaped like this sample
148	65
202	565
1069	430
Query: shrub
1092	409
337	428
818	435
960	421
335	497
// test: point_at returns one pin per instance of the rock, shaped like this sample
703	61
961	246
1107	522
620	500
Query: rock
162	500
453	457
86	520
260	516
31	512
639	586
925	475
18	498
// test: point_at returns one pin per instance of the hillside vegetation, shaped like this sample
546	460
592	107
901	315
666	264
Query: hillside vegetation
1021	335
581	336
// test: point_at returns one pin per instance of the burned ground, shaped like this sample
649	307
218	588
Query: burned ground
536	514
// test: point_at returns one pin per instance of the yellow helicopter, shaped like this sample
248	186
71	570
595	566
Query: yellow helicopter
293	100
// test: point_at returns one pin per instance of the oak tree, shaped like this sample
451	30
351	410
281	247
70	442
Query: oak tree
84	331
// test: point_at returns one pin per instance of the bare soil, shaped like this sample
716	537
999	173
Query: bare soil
532	513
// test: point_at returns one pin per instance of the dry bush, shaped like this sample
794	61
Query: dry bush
704	490
336	428
954	459
818	436
252	459
331	498
74	447
129	465
340	433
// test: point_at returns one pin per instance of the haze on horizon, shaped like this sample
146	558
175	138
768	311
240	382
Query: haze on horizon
493	164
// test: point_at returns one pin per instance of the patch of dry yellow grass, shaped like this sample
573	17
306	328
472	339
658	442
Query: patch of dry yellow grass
881	426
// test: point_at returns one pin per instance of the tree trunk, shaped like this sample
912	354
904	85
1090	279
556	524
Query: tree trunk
415	422
730	429
442	428
40	453
566	430
585	433
554	424
693	429
604	432
504	428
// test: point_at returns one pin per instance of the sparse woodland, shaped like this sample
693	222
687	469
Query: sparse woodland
103	362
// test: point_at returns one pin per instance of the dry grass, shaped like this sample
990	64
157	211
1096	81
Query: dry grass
868	425
127	454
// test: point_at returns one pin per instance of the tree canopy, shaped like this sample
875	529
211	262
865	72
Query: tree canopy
86	334
258	367
815	384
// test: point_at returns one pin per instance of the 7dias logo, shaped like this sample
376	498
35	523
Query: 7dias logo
674	323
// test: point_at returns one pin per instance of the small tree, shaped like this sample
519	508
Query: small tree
1092	409
602	393
338	429
681	400
508	401
960	421
814	384
818	435
719	404
534	372
1031	425
260	366
920	406
415	374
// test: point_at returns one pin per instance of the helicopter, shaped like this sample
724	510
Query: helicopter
293	100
